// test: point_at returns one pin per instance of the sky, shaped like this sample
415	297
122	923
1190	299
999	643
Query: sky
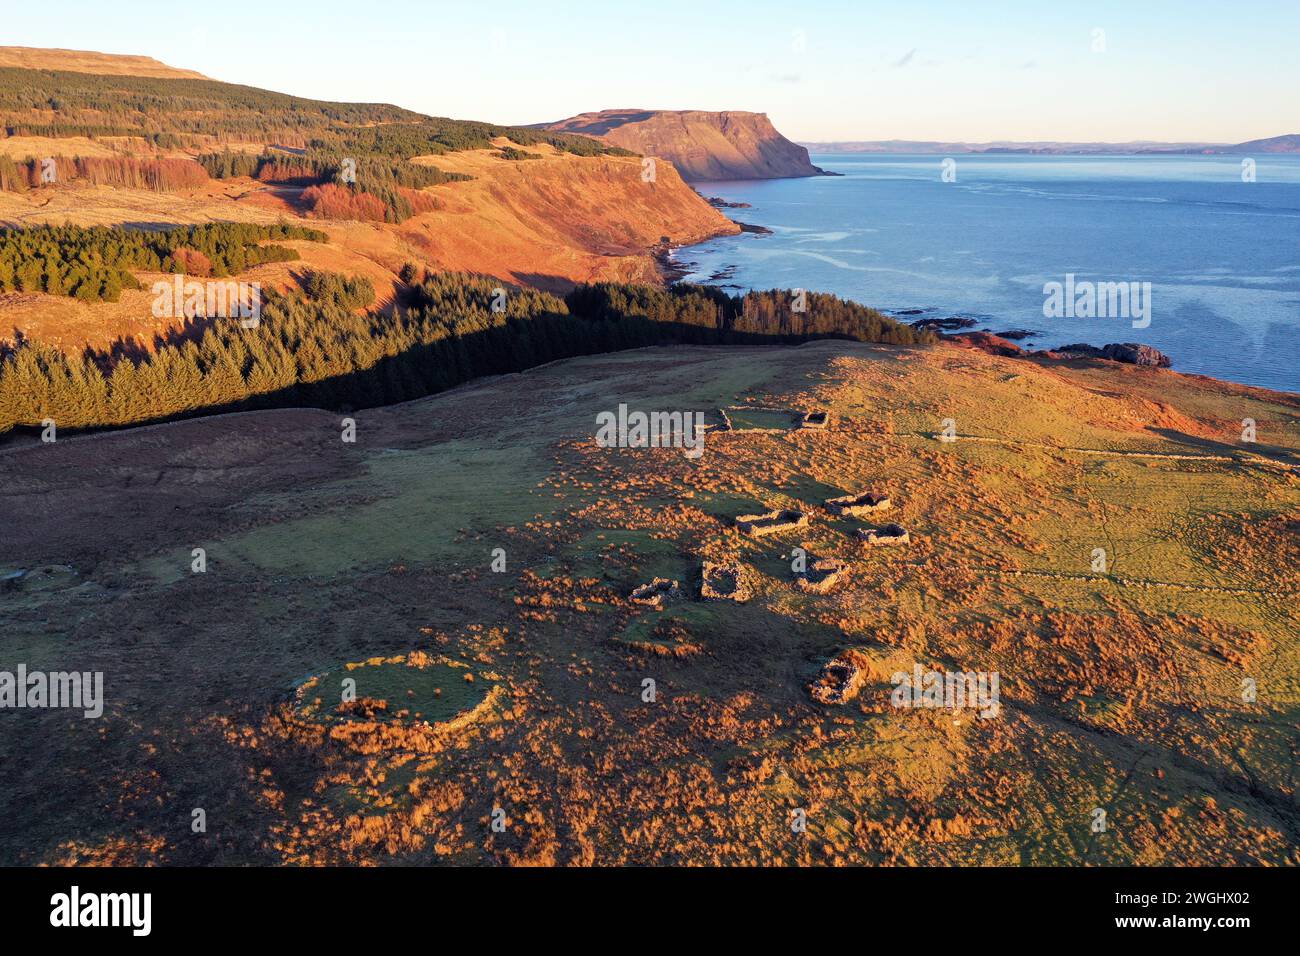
821	69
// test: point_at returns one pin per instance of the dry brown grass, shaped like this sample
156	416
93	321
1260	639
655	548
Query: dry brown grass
88	61
528	222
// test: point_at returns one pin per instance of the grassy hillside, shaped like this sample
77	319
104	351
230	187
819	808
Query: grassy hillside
325	559
355	155
319	351
198	112
88	61
547	223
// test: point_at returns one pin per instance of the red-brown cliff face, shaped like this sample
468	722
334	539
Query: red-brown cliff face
702	145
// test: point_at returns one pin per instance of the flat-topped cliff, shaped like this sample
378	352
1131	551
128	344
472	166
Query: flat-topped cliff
702	145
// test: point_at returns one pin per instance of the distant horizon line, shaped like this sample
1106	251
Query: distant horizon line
989	143
839	142
1280	145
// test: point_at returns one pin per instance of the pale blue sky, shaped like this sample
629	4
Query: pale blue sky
822	69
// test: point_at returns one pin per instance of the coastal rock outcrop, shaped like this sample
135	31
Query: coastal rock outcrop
950	324
986	342
1136	354
1131	353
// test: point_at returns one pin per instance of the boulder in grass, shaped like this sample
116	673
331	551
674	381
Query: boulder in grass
656	592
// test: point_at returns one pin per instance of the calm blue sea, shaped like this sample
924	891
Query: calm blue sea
1222	255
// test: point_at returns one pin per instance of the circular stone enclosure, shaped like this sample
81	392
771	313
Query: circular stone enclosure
410	688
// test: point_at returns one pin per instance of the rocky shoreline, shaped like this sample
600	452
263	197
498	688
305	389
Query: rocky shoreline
1128	353
954	328
672	271
717	202
959	329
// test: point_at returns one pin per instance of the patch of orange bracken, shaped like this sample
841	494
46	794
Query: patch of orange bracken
547	223
138	850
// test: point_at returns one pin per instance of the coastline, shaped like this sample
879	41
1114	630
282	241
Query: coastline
1230	323
674	271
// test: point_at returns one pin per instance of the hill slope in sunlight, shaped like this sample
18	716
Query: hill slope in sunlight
88	61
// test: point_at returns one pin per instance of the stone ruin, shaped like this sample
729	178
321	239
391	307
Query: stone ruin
771	522
656	592
792	416
888	534
723	582
839	681
820	420
822	575
862	504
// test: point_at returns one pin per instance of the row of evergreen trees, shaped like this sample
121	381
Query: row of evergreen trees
96	263
339	187
432	136
347	292
318	167
59	130
176	112
88	104
320	350
516	155
778	314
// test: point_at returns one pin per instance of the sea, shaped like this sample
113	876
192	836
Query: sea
997	241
